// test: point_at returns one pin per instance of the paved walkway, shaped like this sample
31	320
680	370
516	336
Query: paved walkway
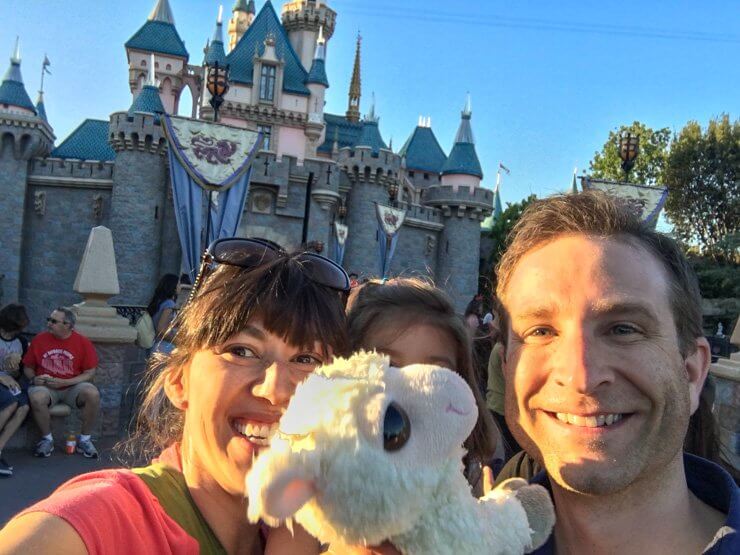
35	478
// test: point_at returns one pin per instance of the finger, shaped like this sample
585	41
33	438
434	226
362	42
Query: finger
487	480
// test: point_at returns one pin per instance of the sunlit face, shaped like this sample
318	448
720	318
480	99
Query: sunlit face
234	396
417	344
595	383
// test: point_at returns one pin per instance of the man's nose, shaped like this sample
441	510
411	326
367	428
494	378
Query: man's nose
577	362
276	385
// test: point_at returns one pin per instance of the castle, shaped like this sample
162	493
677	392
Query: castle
115	173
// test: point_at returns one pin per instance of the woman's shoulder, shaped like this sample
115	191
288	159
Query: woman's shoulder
167	303
109	509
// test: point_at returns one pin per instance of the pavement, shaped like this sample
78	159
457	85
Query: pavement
35	478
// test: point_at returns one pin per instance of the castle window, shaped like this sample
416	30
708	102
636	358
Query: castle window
266	131
267	83
168	67
143	63
426	176
411	174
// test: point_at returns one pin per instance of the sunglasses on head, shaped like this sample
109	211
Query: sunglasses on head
251	253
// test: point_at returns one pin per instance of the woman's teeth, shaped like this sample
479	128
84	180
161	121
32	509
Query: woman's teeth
589	421
257	432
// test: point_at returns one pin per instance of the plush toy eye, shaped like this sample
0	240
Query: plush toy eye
396	428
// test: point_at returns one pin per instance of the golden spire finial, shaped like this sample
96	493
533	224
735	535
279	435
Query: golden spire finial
355	87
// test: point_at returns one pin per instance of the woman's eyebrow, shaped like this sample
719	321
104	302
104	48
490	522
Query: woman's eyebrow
254	331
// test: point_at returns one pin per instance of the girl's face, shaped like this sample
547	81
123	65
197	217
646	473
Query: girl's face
417	344
233	396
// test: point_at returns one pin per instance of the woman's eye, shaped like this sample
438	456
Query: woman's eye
308	359
241	351
539	332
624	329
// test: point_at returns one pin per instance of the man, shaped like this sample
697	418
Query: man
604	362
61	364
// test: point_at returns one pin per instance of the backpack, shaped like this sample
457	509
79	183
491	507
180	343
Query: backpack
145	333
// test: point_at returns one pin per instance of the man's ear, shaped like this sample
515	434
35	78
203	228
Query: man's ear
697	368
176	387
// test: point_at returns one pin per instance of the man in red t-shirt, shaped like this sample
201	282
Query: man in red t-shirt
61	364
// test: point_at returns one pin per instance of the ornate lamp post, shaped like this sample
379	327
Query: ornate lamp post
217	82
629	148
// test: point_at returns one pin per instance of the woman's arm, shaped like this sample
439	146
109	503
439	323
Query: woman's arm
40	532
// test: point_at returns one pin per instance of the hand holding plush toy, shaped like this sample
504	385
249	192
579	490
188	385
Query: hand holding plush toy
368	452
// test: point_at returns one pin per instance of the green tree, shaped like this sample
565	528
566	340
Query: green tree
502	226
650	162
702	173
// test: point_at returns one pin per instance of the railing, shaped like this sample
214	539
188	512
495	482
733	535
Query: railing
130	312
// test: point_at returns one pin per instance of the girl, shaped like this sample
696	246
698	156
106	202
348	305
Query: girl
414	322
162	310
258	323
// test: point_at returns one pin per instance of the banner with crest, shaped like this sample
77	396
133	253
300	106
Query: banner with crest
390	221
207	156
340	234
646	201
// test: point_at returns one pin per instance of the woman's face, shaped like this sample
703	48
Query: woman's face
234	396
417	344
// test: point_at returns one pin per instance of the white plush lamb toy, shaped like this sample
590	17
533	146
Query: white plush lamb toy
368	452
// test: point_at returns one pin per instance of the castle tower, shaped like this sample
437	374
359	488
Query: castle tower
355	87
242	15
317	83
23	136
302	20
138	199
370	167
215	51
424	156
158	36
464	205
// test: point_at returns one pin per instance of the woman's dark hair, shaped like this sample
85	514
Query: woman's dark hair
166	289
13	318
396	305
290	304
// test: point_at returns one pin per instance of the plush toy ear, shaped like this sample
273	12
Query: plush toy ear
287	493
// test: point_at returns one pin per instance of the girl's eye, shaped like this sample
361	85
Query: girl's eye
308	359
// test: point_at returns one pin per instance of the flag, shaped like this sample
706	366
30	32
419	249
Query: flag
502	167
45	65
390	221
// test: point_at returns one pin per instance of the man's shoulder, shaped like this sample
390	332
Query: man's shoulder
41	338
79	339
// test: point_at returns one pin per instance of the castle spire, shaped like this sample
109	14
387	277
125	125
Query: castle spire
355	88
463	159
317	74
216	51
12	91
162	12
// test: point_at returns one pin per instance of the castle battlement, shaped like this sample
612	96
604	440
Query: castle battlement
475	200
360	164
32	136
141	131
420	212
303	15
47	169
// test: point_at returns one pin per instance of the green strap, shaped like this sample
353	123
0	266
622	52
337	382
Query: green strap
168	485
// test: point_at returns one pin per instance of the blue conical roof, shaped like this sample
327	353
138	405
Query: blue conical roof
318	73
147	101
497	208
422	151
463	158
158	34
370	136
216	52
12	90
40	109
88	142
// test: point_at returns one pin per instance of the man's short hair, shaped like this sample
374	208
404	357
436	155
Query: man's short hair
69	316
597	214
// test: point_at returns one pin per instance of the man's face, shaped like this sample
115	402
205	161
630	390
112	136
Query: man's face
596	387
57	325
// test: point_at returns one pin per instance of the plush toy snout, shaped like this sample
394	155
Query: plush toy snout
288	491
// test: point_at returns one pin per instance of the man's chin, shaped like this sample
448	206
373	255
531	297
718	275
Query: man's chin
589	477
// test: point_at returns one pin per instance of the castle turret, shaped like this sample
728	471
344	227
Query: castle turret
317	83
302	19
424	157
158	36
138	199
369	169
242	15
215	52
23	136
462	166
355	87
464	205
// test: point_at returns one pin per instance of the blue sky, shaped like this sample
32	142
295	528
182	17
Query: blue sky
548	79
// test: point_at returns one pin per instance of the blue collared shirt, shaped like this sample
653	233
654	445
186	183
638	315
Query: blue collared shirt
710	483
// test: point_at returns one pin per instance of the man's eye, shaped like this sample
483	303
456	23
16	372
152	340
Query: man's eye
241	351
540	332
624	329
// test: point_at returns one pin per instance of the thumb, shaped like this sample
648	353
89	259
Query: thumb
487	480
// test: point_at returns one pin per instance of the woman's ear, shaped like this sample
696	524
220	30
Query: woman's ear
176	387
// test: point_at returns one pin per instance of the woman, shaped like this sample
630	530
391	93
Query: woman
258	323
13	385
162	310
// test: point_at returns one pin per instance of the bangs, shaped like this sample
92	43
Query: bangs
289	303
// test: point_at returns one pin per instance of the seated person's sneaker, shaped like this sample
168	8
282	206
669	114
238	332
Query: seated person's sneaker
44	448
87	448
5	468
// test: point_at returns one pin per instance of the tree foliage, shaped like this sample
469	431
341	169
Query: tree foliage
650	162
503	225
703	177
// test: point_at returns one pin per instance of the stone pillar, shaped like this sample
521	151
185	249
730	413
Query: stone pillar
113	337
